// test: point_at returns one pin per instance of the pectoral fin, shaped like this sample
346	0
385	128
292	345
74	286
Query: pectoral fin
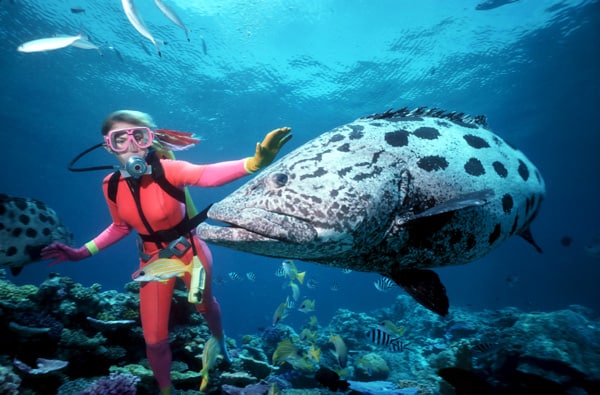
425	287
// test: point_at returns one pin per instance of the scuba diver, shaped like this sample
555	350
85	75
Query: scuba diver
148	194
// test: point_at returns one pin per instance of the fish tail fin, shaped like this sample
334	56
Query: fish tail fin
204	382
425	287
300	277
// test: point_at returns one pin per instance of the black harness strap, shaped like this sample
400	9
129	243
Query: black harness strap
158	174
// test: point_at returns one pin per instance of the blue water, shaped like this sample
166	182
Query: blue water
531	67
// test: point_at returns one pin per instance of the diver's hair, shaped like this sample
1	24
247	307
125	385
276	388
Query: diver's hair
130	116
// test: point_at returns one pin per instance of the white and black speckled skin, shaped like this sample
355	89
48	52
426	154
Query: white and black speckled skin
406	189
26	226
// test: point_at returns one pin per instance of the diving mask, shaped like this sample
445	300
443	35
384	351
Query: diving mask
120	140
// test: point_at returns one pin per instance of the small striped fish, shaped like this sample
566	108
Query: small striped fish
234	276
380	337
384	284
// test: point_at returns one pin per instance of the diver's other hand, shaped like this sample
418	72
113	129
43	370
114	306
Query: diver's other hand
268	149
59	252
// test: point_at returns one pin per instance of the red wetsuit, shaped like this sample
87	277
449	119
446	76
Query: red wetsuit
162	212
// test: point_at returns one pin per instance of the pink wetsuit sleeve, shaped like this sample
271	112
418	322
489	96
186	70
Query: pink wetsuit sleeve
111	235
221	173
182	173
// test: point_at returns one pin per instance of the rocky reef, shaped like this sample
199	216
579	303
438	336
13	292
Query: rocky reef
64	338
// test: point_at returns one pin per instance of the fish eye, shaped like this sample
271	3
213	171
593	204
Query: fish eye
278	180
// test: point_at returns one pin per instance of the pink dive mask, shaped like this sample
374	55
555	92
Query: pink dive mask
120	140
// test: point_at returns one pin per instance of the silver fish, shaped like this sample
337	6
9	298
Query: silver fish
392	193
138	23
48	44
26	226
169	13
84	43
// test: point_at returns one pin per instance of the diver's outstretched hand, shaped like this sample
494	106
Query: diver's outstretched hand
59	252
268	149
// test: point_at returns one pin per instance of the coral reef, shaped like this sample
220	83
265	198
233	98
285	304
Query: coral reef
98	334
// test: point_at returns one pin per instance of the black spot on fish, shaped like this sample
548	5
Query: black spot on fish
336	137
30	232
344	171
21	204
316	174
471	242
474	167
24	219
500	169
476	141
523	170
495	234
427	133
398	138
10	251
356	133
507	203
46	231
40	205
16	232
344	147
2	209
431	163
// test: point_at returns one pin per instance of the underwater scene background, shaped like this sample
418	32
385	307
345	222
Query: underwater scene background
251	66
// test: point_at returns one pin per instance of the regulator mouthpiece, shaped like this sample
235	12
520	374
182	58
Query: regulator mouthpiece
136	167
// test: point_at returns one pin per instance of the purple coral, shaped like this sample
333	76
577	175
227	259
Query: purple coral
114	384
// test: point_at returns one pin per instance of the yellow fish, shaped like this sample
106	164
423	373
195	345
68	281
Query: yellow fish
341	351
291	271
313	321
308	336
307	306
295	290
280	312
390	328
209	360
274	390
162	270
285	352
314	353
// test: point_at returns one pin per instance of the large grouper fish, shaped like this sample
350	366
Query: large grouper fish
392	193
26	227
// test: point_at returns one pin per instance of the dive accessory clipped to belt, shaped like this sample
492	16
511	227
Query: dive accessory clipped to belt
198	281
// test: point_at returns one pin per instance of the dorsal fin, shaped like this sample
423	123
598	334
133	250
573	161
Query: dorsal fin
478	120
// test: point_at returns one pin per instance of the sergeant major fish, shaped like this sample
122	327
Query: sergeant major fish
393	193
26	227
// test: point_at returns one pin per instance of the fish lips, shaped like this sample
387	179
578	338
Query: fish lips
255	224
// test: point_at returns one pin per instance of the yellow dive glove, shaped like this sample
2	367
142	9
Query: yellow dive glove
268	149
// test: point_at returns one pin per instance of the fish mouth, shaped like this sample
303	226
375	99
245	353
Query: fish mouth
254	225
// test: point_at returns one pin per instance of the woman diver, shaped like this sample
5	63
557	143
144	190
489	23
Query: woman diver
151	199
